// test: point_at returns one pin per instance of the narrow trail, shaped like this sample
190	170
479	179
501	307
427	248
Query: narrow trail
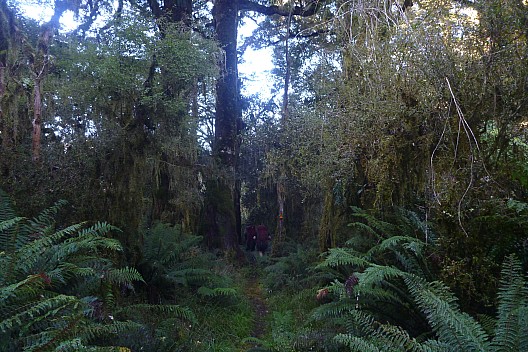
253	291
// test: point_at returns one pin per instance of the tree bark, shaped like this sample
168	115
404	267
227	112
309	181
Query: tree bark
3	66
37	120
281	194
222	220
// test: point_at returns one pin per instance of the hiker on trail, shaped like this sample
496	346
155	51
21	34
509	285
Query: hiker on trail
263	237
251	237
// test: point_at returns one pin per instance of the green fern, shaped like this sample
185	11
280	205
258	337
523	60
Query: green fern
123	275
511	330
453	327
217	292
355	343
394	274
338	257
453	330
6	207
41	272
374	226
175	311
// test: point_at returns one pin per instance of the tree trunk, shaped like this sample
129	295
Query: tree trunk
225	14
37	120
281	194
3	124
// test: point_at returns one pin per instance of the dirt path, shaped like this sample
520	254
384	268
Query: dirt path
255	295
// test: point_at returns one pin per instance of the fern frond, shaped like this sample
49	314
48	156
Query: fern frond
355	343
523	328
171	310
398	241
42	309
364	227
31	284
99	229
395	338
375	295
333	309
6	207
77	344
79	245
28	255
386	337
6	224
460	331
217	292
47	216
488	323
92	332
343	256
382	228
377	274
411	264
123	275
513	297
188	276
8	238
412	222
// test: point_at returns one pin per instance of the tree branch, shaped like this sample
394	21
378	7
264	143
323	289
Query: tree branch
305	11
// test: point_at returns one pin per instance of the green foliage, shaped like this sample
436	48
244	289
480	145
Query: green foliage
50	280
453	327
511	328
471	263
218	291
428	317
193	301
173	259
290	282
294	271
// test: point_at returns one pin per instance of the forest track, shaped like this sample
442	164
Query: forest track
253	291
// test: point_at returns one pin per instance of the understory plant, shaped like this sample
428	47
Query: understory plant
58	285
208	311
387	299
289	282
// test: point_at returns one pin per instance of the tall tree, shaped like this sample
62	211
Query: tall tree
222	215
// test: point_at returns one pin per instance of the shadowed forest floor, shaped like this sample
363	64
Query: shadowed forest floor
255	294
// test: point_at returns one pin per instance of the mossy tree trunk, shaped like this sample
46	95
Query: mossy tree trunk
221	194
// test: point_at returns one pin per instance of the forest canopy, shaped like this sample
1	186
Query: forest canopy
391	159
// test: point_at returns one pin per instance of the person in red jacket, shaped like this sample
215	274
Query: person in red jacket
263	238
